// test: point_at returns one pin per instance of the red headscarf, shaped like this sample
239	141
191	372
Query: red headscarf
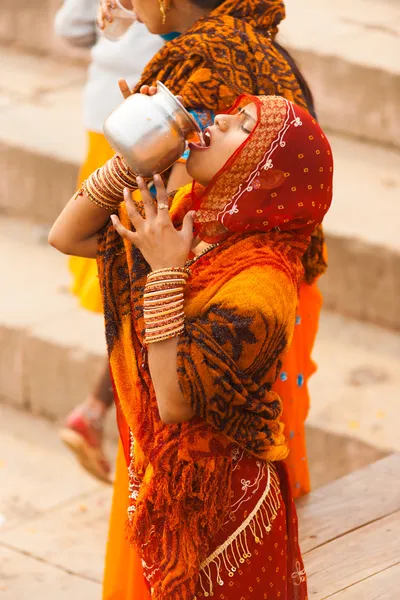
279	178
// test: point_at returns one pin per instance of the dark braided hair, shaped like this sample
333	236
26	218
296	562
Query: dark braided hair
301	80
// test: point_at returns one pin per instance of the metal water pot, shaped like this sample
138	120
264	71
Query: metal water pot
150	132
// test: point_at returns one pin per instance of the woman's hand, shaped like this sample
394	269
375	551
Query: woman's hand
160	243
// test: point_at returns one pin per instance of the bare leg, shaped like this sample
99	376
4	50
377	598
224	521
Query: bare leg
83	431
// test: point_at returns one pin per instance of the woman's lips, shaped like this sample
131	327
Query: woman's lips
193	146
205	145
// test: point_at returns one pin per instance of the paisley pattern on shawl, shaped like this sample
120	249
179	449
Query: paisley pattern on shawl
226	53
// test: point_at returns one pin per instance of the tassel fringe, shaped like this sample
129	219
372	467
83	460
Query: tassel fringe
227	558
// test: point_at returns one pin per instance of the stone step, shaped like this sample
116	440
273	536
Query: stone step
348	51
41	135
51	351
29	25
53	537
42	143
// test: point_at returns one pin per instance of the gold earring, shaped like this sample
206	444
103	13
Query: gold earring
164	7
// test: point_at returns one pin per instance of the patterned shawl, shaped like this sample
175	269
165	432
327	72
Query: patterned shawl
226	53
229	52
240	308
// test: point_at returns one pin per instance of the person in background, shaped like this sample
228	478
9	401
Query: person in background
75	22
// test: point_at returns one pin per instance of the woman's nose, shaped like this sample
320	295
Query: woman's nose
222	122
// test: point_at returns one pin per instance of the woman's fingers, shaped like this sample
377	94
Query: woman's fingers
187	226
162	198
131	209
147	199
125	89
123	231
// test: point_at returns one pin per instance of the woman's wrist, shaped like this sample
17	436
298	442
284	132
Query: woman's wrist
164	304
105	187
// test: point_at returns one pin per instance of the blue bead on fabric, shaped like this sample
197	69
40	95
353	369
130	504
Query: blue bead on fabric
298	320
283	376
300	379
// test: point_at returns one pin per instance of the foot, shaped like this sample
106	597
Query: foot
83	434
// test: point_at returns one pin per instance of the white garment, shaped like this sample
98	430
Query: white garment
111	61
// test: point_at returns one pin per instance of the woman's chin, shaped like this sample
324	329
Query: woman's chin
196	172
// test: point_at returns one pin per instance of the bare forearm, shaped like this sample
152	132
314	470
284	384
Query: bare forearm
76	229
172	406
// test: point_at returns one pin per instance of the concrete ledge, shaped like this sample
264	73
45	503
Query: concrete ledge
362	281
348	53
51	350
29	25
353	99
34	185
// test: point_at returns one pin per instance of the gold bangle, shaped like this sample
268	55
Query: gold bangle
151	310
100	203
159	302
169	272
174	314
95	188
165	282
169	336
107	183
162	292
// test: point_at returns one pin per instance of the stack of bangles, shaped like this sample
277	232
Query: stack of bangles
163	304
105	187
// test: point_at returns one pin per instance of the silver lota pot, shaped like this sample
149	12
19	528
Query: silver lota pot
150	132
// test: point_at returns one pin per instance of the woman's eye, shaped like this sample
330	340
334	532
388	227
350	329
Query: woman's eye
243	119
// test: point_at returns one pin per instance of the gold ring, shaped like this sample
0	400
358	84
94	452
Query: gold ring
163	206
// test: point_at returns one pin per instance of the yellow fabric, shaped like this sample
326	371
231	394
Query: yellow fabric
123	574
85	282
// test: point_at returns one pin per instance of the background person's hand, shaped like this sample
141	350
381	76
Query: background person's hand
105	12
148	90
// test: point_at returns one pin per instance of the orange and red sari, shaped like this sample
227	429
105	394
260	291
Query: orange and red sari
209	499
189	482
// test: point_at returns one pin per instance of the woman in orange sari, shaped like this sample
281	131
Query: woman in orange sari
228	47
200	294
